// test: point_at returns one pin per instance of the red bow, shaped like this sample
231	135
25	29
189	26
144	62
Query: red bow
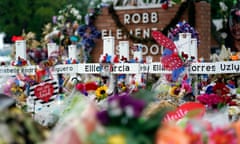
15	38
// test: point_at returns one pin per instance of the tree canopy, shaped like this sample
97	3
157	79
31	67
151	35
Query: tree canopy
32	15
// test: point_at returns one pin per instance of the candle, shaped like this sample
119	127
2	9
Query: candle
21	49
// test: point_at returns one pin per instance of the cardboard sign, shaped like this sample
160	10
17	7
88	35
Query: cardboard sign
183	110
42	95
44	92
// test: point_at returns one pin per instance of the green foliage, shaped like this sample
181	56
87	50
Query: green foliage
19	15
217	12
126	136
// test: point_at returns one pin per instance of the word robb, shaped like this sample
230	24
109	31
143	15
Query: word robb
136	19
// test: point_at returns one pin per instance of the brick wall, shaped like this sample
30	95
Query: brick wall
105	21
203	26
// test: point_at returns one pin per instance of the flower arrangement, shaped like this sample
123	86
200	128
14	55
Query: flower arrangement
19	62
123	121
71	61
67	14
214	101
198	132
217	94
183	27
88	33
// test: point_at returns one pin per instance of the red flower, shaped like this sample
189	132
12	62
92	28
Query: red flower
222	136
220	89
165	6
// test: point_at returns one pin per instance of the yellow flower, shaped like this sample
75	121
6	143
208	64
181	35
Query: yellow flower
116	139
174	91
101	92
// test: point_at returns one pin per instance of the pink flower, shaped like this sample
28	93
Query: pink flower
222	136
212	100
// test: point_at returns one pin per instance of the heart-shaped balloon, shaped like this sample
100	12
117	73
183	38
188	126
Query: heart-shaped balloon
44	92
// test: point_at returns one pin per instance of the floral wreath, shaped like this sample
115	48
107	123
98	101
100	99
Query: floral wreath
183	27
88	32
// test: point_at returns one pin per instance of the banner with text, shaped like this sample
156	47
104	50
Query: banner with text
13	70
126	68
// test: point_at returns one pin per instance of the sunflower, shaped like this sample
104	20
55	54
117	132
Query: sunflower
174	91
101	92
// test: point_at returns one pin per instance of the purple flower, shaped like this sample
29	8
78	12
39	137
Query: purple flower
54	19
103	117
126	101
82	29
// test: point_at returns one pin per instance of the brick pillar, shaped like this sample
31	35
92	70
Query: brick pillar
203	26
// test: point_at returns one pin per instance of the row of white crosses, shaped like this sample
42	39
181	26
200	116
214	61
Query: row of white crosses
42	110
53	50
123	50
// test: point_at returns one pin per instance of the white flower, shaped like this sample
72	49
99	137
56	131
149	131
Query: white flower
69	6
113	104
224	35
68	25
223	6
75	12
60	17
79	17
129	111
115	111
61	37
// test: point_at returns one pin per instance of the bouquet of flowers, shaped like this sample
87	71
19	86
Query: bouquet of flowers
198	132
123	122
213	100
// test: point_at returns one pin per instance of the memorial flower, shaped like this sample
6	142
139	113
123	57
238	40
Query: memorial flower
214	100
101	92
124	122
174	91
222	136
221	89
